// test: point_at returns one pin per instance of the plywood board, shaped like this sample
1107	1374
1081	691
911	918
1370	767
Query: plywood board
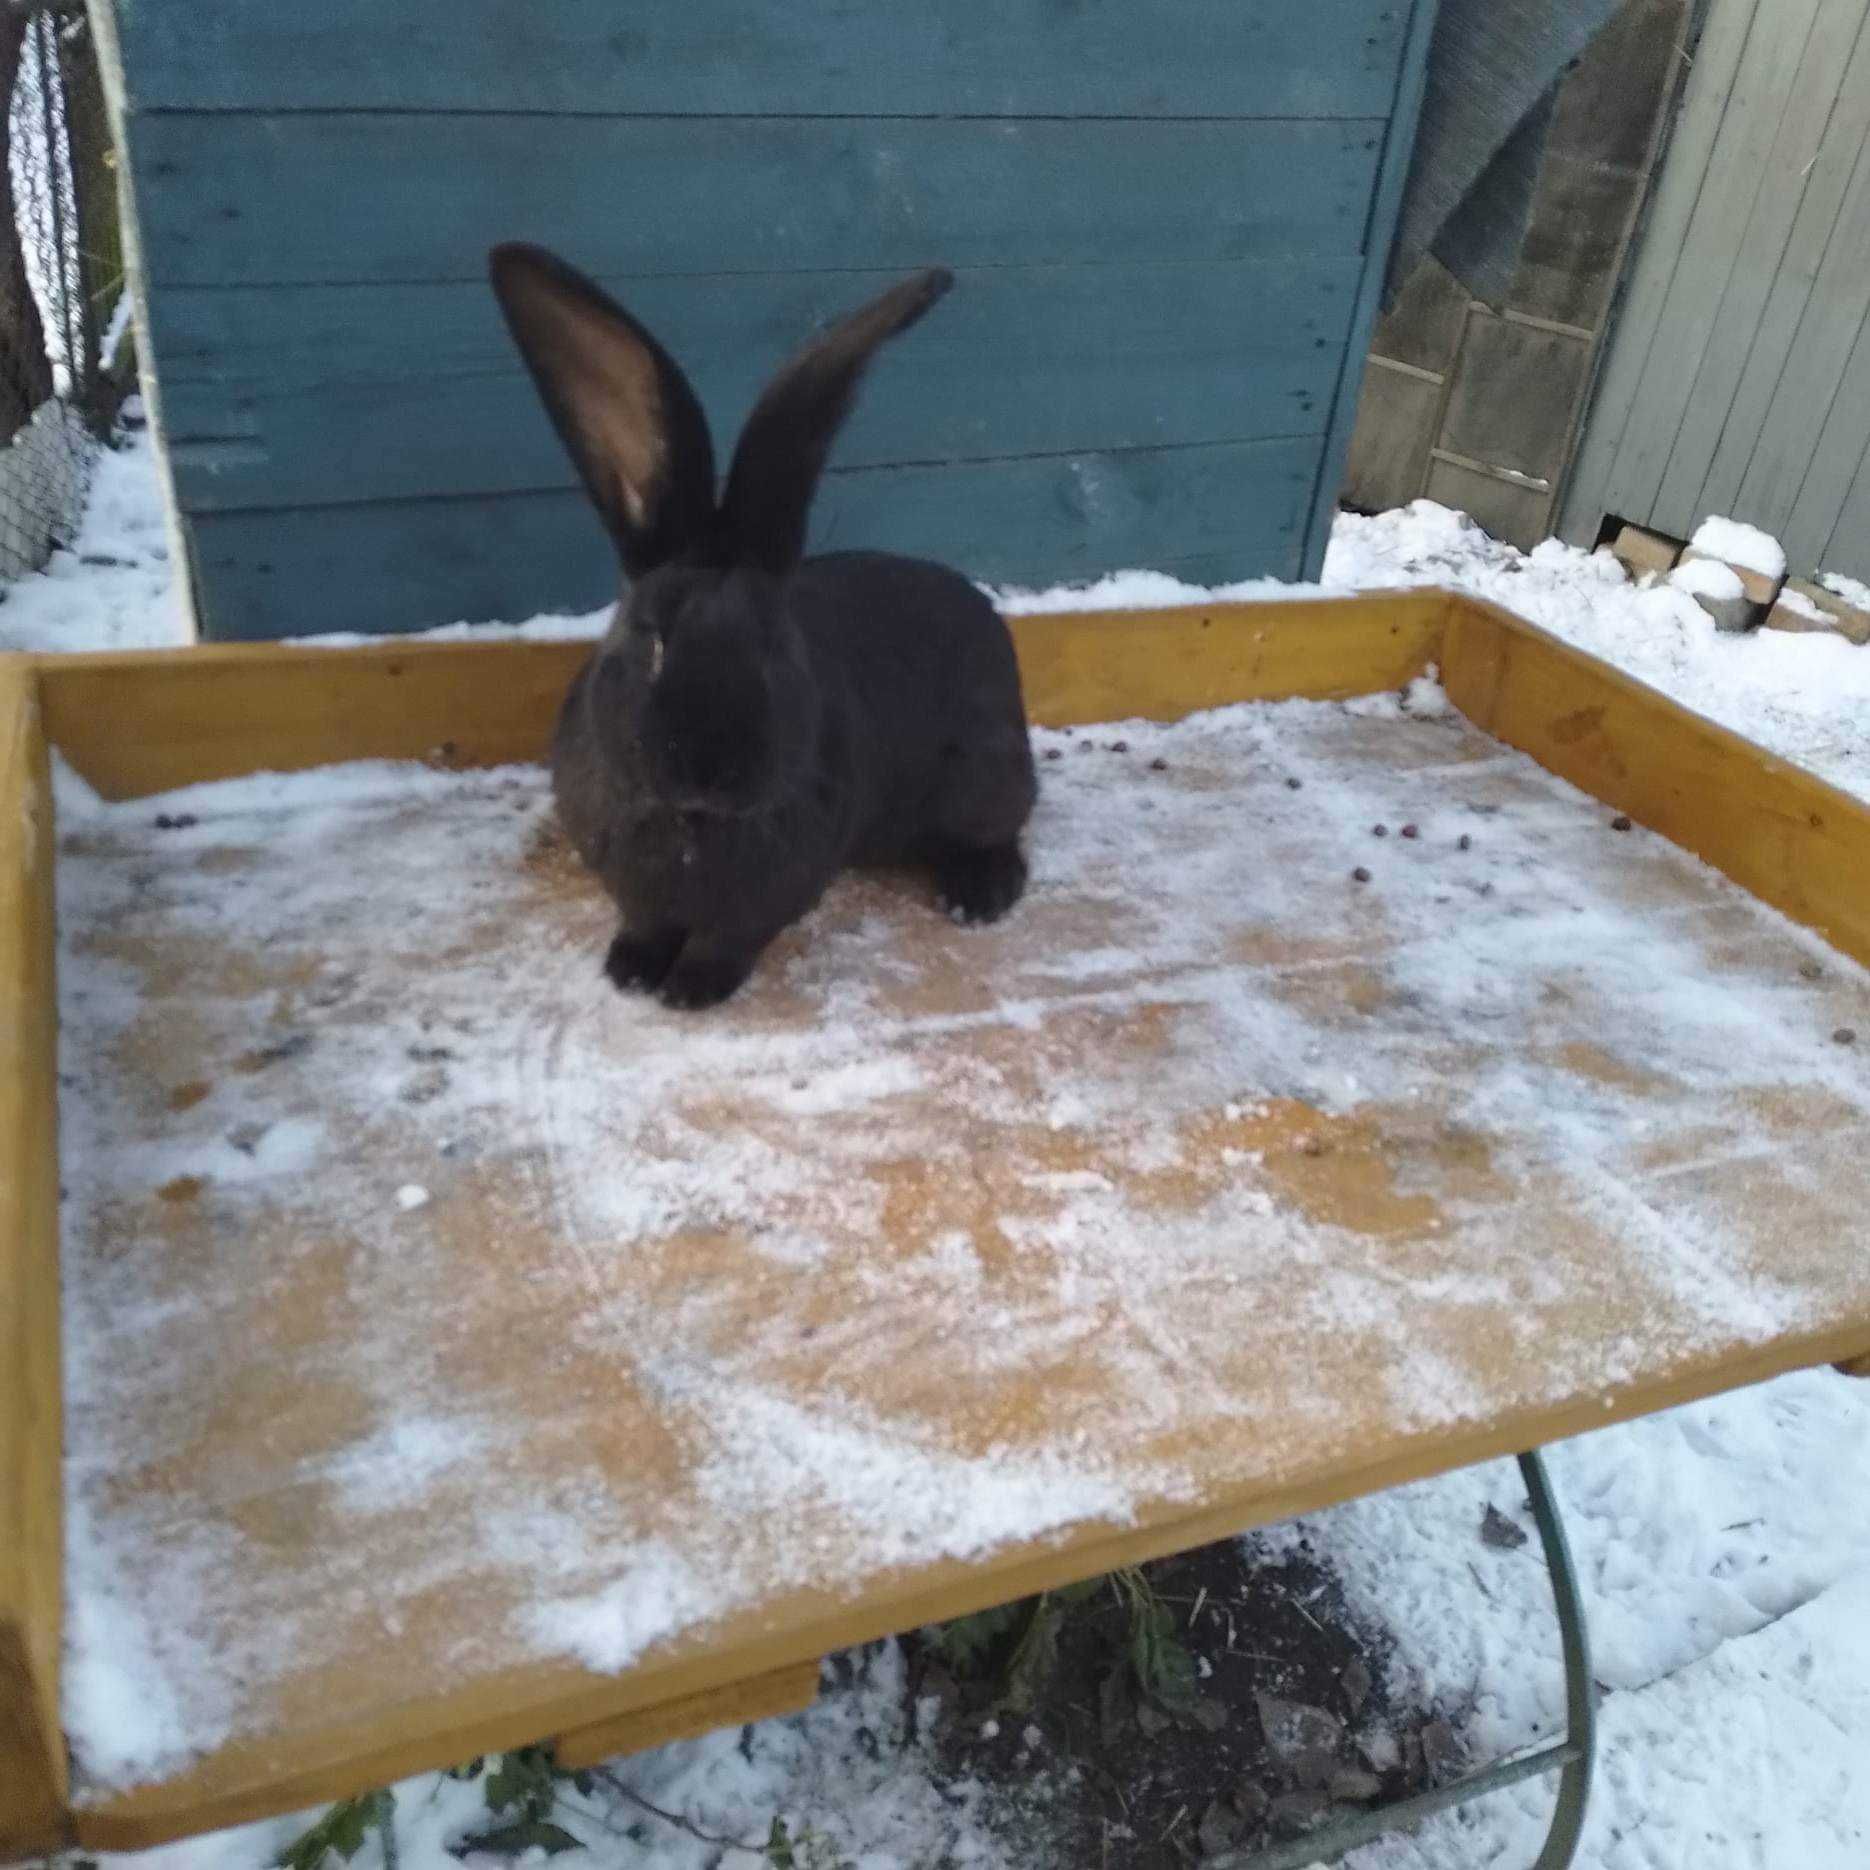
1786	837
1253	1163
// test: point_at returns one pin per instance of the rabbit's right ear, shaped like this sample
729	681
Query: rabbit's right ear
619	401
788	436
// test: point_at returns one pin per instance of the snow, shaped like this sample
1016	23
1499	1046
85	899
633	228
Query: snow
1724	1547
1708	577
1802	606
1138	590
661	1595
1804	696
114	587
1713	1545
846	1773
1750	1754
1741	1750
1849	589
116	1676
549	627
1740	545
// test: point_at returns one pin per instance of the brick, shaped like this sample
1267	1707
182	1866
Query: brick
1641	552
1800	599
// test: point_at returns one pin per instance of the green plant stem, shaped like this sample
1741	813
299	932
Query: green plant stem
671	1818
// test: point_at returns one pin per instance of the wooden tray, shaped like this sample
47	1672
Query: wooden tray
1542	1313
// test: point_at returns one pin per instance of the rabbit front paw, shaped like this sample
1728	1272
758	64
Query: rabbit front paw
641	963
981	885
702	980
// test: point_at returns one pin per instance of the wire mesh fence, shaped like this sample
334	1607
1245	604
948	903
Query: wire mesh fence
63	329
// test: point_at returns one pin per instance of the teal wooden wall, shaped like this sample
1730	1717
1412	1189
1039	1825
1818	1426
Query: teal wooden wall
1168	223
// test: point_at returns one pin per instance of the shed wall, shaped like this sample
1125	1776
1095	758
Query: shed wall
1167	227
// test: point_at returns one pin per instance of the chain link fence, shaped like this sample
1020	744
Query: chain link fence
65	361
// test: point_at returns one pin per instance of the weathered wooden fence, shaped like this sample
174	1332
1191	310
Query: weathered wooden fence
1738	380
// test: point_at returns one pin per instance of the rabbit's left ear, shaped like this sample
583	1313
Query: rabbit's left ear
786	441
624	410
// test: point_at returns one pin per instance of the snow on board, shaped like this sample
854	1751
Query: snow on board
1691	1529
1258	1136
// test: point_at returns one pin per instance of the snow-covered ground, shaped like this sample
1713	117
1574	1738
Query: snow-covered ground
114	587
1724	1548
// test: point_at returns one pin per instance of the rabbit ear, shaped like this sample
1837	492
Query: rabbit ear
619	401
789	434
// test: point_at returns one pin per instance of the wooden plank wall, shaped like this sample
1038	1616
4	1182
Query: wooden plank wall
1738	380
1167	231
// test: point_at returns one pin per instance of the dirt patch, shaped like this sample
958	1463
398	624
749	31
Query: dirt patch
1282	1717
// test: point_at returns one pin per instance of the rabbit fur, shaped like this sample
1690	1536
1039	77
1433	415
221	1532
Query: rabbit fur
755	720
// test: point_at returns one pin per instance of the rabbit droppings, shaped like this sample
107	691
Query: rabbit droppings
755	720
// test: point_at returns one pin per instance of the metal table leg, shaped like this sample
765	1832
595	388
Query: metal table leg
1572	1756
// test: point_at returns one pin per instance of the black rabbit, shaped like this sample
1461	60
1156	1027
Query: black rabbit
755	720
